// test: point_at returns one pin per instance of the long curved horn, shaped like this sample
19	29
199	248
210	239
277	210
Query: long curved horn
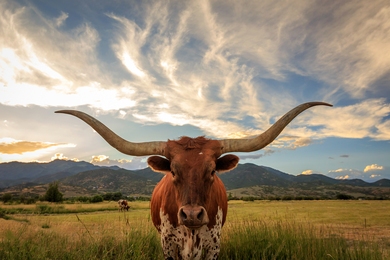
126	147
259	142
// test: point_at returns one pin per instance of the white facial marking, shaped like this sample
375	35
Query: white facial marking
189	244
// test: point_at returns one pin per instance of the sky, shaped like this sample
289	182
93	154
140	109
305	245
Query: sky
159	70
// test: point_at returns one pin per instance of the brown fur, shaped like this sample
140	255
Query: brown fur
191	143
190	181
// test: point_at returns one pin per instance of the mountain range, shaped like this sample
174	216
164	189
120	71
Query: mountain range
83	178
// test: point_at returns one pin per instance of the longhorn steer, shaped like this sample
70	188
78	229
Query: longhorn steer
123	205
189	204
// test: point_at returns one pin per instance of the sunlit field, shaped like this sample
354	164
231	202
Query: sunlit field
254	230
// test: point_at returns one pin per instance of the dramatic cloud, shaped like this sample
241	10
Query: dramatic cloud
224	68
60	66
222	80
349	46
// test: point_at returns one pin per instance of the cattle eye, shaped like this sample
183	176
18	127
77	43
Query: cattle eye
173	174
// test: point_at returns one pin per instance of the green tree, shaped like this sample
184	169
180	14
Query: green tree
107	196
97	198
53	194
117	196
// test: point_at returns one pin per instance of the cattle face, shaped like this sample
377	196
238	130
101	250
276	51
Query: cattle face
189	204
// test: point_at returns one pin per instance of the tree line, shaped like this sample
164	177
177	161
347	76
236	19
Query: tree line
53	194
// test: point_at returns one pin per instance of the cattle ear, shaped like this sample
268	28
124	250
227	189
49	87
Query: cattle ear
159	164
227	163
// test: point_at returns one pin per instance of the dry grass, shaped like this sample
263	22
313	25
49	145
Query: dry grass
354	221
351	219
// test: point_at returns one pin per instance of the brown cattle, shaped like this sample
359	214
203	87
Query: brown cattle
123	205
189	204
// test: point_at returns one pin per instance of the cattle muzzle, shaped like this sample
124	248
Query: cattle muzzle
193	217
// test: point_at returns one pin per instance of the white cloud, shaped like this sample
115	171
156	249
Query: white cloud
345	177
383	130
131	65
39	63
100	159
373	167
343	174
93	95
135	163
307	172
349	45
364	119
60	156
61	19
293	142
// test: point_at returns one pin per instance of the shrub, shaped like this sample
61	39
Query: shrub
6	197
112	196
343	196
96	198
251	198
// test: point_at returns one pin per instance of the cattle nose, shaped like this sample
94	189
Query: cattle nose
193	216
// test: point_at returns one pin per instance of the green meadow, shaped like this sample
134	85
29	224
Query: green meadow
253	230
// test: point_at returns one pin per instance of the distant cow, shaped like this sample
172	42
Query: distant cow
189	204
123	205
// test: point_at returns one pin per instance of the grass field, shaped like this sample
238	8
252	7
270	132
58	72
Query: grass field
254	230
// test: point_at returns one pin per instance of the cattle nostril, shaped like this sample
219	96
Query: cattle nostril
200	214
193	217
182	214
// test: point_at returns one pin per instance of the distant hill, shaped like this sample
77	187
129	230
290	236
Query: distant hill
14	173
108	180
247	175
247	179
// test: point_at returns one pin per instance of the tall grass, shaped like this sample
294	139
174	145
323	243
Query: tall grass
290	240
249	240
140	243
246	235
